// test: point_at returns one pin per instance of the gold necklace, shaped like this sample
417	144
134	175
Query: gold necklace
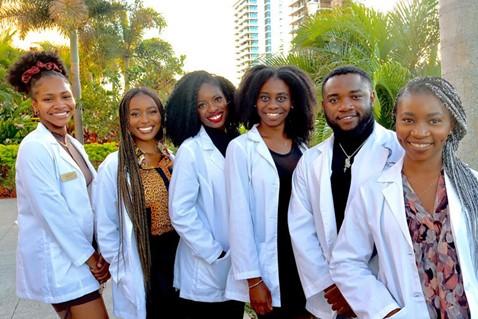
347	163
59	138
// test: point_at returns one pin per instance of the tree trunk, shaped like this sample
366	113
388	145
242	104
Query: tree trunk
125	72
459	52
76	85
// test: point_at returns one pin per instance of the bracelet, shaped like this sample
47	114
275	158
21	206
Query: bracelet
256	284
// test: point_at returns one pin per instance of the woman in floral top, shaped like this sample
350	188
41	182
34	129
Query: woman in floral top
420	216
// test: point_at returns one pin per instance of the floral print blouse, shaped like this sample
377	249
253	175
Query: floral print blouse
435	253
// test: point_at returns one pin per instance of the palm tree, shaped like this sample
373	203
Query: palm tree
391	47
459	52
65	15
131	25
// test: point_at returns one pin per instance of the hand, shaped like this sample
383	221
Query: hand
260	296
337	301
99	267
391	313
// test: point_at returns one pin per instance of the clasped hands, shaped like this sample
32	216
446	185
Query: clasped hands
99	267
337	301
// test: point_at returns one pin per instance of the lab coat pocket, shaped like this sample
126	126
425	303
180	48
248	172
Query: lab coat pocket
62	266
213	276
126	287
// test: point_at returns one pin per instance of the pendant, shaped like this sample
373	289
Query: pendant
347	164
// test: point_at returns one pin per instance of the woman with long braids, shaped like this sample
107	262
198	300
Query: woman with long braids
277	105
200	120
130	198
57	262
420	216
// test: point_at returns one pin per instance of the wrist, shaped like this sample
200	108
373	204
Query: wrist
256	284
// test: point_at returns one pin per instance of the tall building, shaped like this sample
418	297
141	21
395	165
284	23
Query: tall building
261	27
300	9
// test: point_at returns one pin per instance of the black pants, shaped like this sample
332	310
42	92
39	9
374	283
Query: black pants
230	309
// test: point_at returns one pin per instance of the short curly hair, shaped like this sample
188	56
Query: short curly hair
300	121
182	118
32	59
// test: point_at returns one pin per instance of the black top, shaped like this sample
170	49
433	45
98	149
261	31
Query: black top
292	295
340	178
220	138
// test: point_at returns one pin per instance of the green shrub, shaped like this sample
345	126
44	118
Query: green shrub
98	152
8	155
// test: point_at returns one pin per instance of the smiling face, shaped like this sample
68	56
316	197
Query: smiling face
212	106
144	118
53	101
273	103
347	101
422	125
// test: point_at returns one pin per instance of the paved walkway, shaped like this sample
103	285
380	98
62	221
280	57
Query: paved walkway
11	307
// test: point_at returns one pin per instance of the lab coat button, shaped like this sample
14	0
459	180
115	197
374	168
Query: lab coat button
416	295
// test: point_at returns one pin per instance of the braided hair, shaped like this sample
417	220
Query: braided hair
130	187
462	178
31	67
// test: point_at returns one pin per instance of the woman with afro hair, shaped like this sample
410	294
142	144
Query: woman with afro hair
200	120
57	262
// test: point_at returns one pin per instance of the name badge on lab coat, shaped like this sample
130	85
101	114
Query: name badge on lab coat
69	176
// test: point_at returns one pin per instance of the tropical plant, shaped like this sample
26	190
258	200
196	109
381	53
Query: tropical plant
68	16
391	47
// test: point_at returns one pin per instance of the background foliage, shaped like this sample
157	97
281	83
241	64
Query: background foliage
392	47
8	154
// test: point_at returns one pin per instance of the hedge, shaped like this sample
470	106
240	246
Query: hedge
8	155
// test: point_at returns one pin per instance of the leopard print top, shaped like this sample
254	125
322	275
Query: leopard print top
155	183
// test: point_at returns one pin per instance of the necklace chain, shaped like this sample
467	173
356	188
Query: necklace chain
59	140
347	163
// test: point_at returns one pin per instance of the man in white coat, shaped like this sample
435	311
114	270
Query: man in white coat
358	150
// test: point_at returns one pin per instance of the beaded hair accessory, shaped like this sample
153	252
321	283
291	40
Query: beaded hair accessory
50	66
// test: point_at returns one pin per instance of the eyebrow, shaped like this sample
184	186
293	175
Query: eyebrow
350	92
134	107
428	115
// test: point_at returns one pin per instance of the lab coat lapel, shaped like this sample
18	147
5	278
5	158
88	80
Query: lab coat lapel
321	178
261	146
393	194
372	157
47	135
81	150
211	151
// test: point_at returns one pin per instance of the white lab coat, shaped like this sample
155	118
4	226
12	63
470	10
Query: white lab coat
55	221
198	211
312	223
252	186
376	216
129	301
